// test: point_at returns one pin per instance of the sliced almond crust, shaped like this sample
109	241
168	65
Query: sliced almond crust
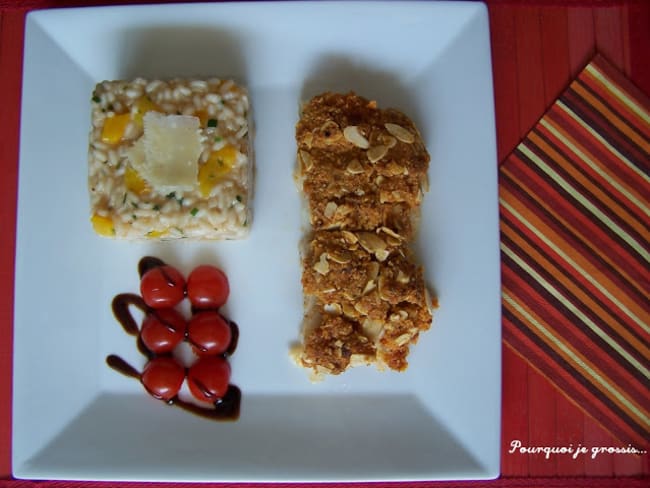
362	172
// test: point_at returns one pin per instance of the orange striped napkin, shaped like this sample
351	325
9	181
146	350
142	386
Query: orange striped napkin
575	220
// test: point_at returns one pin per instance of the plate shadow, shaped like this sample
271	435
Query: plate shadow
283	437
339	73
182	51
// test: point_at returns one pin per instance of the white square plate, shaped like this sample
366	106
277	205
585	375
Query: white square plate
74	418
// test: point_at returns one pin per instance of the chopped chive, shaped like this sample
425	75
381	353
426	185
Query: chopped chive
135	217
239	199
110	107
180	201
246	222
134	205
96	99
171	195
124	199
179	230
217	139
194	211
156	207
212	122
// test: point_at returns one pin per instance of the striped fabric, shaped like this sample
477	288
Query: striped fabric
575	220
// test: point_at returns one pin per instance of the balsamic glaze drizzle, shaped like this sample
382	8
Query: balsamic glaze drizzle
226	408
147	263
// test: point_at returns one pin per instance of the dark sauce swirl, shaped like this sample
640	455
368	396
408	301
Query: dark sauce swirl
121	366
225	408
147	263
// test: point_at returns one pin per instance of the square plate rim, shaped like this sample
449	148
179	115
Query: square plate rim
44	12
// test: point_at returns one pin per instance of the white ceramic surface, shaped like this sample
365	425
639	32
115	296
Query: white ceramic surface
74	418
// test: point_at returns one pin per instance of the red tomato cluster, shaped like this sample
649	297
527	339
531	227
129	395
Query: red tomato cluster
208	332
164	287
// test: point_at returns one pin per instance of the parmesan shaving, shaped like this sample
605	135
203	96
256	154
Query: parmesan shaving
172	146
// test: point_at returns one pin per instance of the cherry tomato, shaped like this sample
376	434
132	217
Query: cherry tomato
162	377
162	330
207	287
162	287
208	378
208	333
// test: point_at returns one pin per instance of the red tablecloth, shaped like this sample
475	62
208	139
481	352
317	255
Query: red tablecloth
538	47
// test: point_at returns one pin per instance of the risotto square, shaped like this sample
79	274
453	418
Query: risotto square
171	159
